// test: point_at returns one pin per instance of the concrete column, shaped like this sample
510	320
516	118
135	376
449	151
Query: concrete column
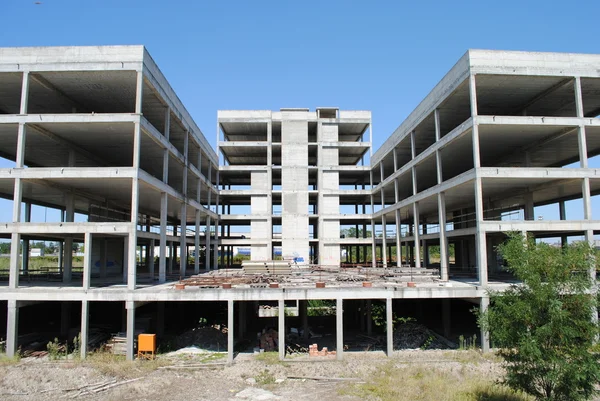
103	257
197	243
444	262
339	329
65	318
130	306
162	262
87	261
417	254
132	258
151	257
304	318
281	328
529	208
12	328
484	303
13	279
384	243
68	249
241	319
216	244
25	266
21	141
230	331
24	93
587	200
125	258
369	317
207	237
390	326
563	216
182	242
480	240
446	317
138	92
373	246
83	343
172	252
160	318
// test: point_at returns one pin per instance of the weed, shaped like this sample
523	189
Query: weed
54	349
269	358
419	384
265	378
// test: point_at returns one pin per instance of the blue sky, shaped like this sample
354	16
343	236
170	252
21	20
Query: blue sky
383	56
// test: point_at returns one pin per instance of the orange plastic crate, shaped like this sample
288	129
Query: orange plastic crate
147	343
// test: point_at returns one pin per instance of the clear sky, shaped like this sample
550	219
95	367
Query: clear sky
383	56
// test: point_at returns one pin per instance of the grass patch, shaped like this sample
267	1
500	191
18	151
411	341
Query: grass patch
389	383
6	361
117	365
265	378
269	358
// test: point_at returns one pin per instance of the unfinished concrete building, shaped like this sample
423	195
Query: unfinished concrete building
292	177
98	133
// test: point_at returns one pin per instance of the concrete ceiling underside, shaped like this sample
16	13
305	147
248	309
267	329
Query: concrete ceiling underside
82	92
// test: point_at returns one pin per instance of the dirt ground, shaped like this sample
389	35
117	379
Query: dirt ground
202	377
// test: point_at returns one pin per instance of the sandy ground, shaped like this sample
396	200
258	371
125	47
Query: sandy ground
250	378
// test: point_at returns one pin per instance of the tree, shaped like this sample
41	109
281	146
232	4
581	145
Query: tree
4	248
546	326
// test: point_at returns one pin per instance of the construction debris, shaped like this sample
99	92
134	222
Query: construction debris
269	340
212	338
413	335
313	350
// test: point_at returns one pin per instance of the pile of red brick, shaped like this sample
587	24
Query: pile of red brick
313	350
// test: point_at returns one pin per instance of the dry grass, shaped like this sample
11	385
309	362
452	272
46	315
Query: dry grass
392	383
117	366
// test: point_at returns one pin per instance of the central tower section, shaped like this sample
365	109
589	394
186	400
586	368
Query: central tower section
294	184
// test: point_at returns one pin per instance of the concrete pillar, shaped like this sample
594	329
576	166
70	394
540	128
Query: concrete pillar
339	329
24	93
417	251
485	338
160	318
216	245
83	341
25	266
390	326
197	243
384	243
446	317
172	252
87	261
398	240
281	328
304	318
230	331
444	262
13	280
529	208
207	237
103	257
65	318
68	249
563	216
130	306
183	242
12	328
162	261
151	257
241	319
125	259
369	318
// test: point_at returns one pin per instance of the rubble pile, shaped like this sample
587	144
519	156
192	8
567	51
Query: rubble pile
212	338
269	340
413	335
